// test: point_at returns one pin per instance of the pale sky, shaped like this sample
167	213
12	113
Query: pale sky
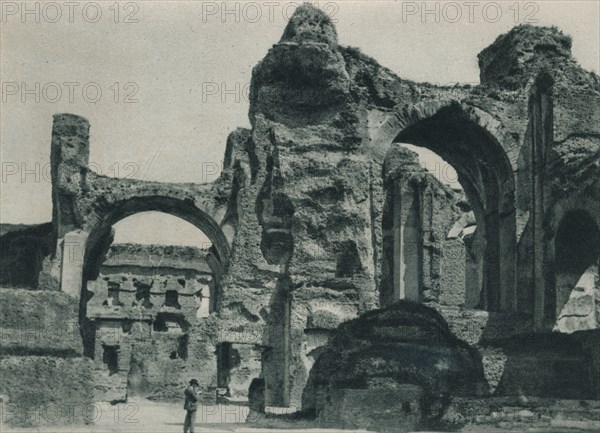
188	65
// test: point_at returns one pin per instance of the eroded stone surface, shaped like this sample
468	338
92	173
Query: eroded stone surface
389	350
320	217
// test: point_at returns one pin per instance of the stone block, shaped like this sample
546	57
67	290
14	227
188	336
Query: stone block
47	390
39	323
386	410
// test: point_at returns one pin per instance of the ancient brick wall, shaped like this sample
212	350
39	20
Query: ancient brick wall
307	223
45	376
145	303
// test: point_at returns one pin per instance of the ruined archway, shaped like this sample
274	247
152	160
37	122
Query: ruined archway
138	298
480	153
433	231
100	237
184	209
576	255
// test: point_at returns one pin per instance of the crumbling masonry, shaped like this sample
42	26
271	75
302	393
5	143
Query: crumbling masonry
341	273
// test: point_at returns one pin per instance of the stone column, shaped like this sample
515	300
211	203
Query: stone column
69	158
541	136
73	252
407	233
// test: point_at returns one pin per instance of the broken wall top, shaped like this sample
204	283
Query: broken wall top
521	54
308	79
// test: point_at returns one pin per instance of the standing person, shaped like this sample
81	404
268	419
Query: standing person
191	406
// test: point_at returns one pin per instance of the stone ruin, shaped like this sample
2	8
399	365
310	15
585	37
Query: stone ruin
343	280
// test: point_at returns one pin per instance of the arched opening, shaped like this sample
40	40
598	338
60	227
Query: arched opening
148	253
415	216
151	272
576	263
433	239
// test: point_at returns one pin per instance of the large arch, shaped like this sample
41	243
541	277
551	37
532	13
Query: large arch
484	156
98	240
161	297
99	237
184	209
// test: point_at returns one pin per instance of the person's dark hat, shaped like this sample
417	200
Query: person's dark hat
194	382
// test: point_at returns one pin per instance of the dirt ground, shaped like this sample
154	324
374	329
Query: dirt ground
144	416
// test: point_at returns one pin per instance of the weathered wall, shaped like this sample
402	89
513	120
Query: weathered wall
406	344
300	219
238	365
39	323
44	374
360	110
144	307
425	257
